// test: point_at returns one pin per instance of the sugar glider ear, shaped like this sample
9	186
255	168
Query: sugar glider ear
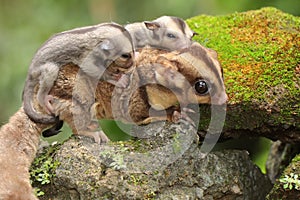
152	25
106	45
212	53
195	33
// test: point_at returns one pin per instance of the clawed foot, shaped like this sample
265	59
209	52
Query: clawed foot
98	136
183	116
94	132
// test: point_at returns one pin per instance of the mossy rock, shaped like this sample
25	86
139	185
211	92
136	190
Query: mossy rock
260	54
170	167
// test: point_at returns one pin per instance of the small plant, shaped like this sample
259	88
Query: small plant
291	181
38	192
43	168
135	180
116	161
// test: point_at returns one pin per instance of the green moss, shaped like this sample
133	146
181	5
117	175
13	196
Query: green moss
296	159
260	54
43	168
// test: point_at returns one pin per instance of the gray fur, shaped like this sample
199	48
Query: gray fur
92	48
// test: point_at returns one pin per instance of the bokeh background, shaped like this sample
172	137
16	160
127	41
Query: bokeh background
25	25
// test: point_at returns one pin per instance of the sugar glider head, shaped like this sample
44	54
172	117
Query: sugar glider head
205	74
115	47
171	33
196	77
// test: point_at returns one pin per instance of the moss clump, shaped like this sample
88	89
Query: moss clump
260	53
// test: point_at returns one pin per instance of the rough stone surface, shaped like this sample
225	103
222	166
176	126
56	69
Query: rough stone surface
279	157
167	166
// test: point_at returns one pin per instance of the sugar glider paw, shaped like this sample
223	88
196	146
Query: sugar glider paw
182	116
98	136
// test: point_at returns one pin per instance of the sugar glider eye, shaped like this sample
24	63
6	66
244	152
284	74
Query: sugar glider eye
126	56
171	35
201	87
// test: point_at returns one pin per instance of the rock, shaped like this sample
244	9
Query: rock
167	166
279	157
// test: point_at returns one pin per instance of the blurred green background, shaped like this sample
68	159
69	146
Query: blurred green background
25	25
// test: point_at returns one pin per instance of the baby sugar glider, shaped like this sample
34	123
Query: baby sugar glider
166	32
92	48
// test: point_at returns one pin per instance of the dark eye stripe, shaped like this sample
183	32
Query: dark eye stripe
182	25
199	52
179	23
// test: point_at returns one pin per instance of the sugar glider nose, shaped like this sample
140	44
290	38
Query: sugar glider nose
219	99
136	54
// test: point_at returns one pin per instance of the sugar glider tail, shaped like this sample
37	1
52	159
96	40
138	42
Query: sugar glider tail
54	130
